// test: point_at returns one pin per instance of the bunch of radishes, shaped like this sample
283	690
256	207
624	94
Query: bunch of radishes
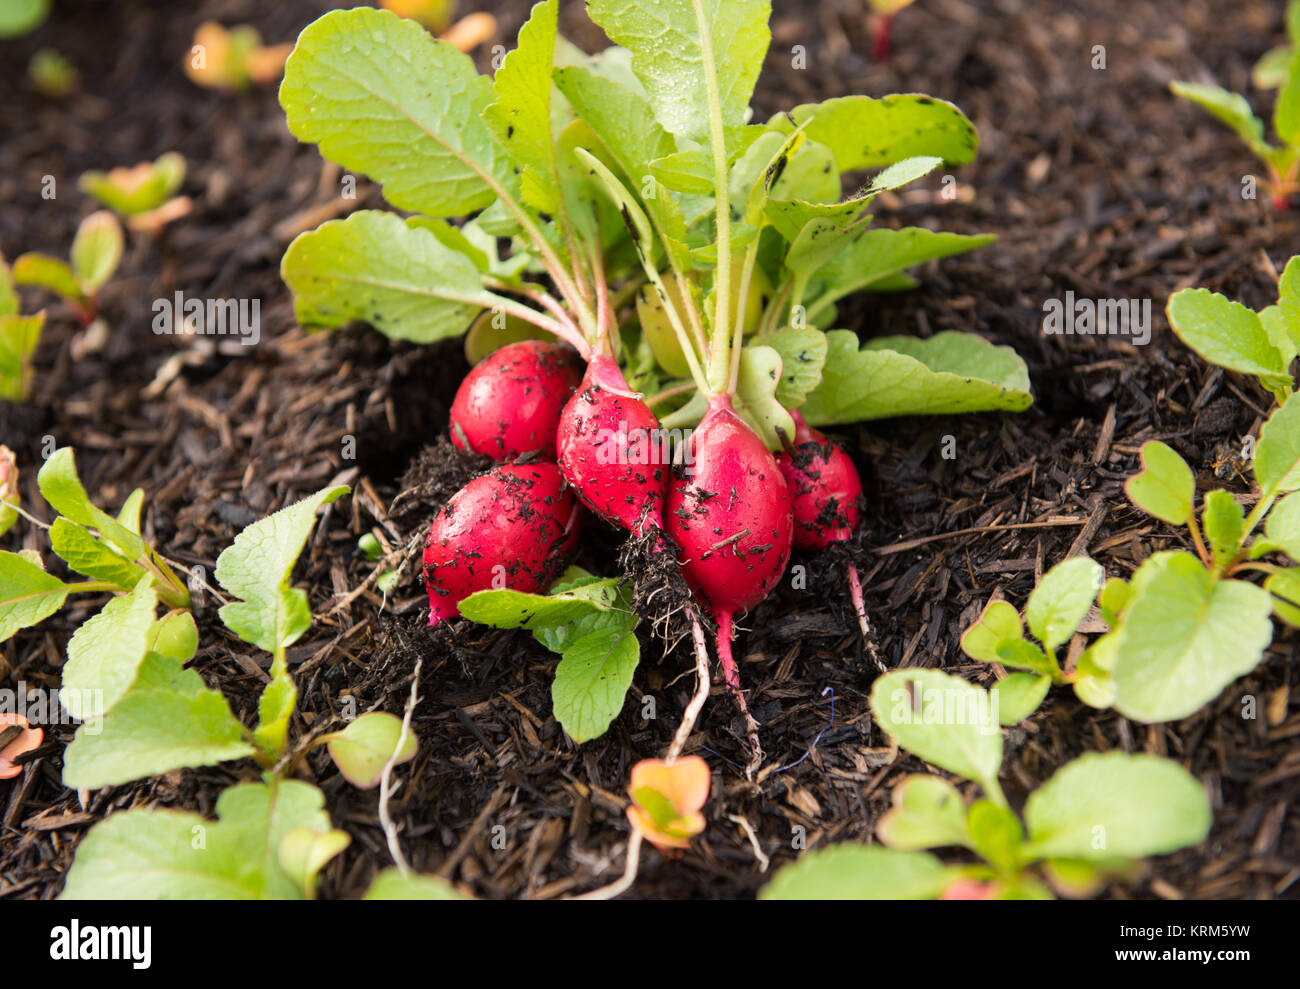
732	522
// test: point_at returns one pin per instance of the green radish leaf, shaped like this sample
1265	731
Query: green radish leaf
274	709
1021	654
49	273
879	254
618	619
61	487
1019	695
129	516
104	655
998	622
1062	599
10	304
1286	111
256	569
1116	805
1228	334
19	336
1277	454
96	251
1273	319
28	595
1288	300
756	389
1184	638
1165	486
382	97
996	835
166	855
685	171
174	636
592	681
1229	108
803	355
520	118
372	266
1272	69
894	376
167	720
304	852
927	812
88	556
1225	525
1094	679
392	885
516	609
819	241
860	872
130	191
1283	526
1114	597
363	748
1285	589
870	133
695	58
943	720
18	17
621	117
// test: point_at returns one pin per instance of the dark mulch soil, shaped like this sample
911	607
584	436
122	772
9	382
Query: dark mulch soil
1095	181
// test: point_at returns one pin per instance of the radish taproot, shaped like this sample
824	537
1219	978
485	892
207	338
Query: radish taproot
732	521
509	404
513	527
824	492
609	449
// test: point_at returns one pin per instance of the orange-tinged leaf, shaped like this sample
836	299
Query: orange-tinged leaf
27	739
684	783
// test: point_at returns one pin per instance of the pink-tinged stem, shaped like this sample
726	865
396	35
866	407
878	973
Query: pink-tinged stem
855	593
880	37
731	675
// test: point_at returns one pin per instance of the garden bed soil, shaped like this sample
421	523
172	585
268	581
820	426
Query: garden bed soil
1095	180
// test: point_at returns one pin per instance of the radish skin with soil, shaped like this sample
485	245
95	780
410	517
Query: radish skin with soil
513	527
509	404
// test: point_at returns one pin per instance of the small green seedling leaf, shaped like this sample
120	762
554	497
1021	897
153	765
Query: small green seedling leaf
943	720
998	622
1277	454
43	271
304	852
175	636
61	487
1285	589
274	709
131	191
392	885
1228	334
1229	108
1062	599
1165	487
1094	679
28	595
860	872
592	681
1102	807
927	812
995	834
167	720
948	373
1019	695
1225	525
19	336
105	654
1283	526
256	569
516	609
96	251
89	556
1184	638
1021	654
363	748
166	855
1113	599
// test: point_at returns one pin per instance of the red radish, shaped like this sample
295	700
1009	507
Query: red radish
824	488
733	524
610	451
824	491
510	403
512	527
